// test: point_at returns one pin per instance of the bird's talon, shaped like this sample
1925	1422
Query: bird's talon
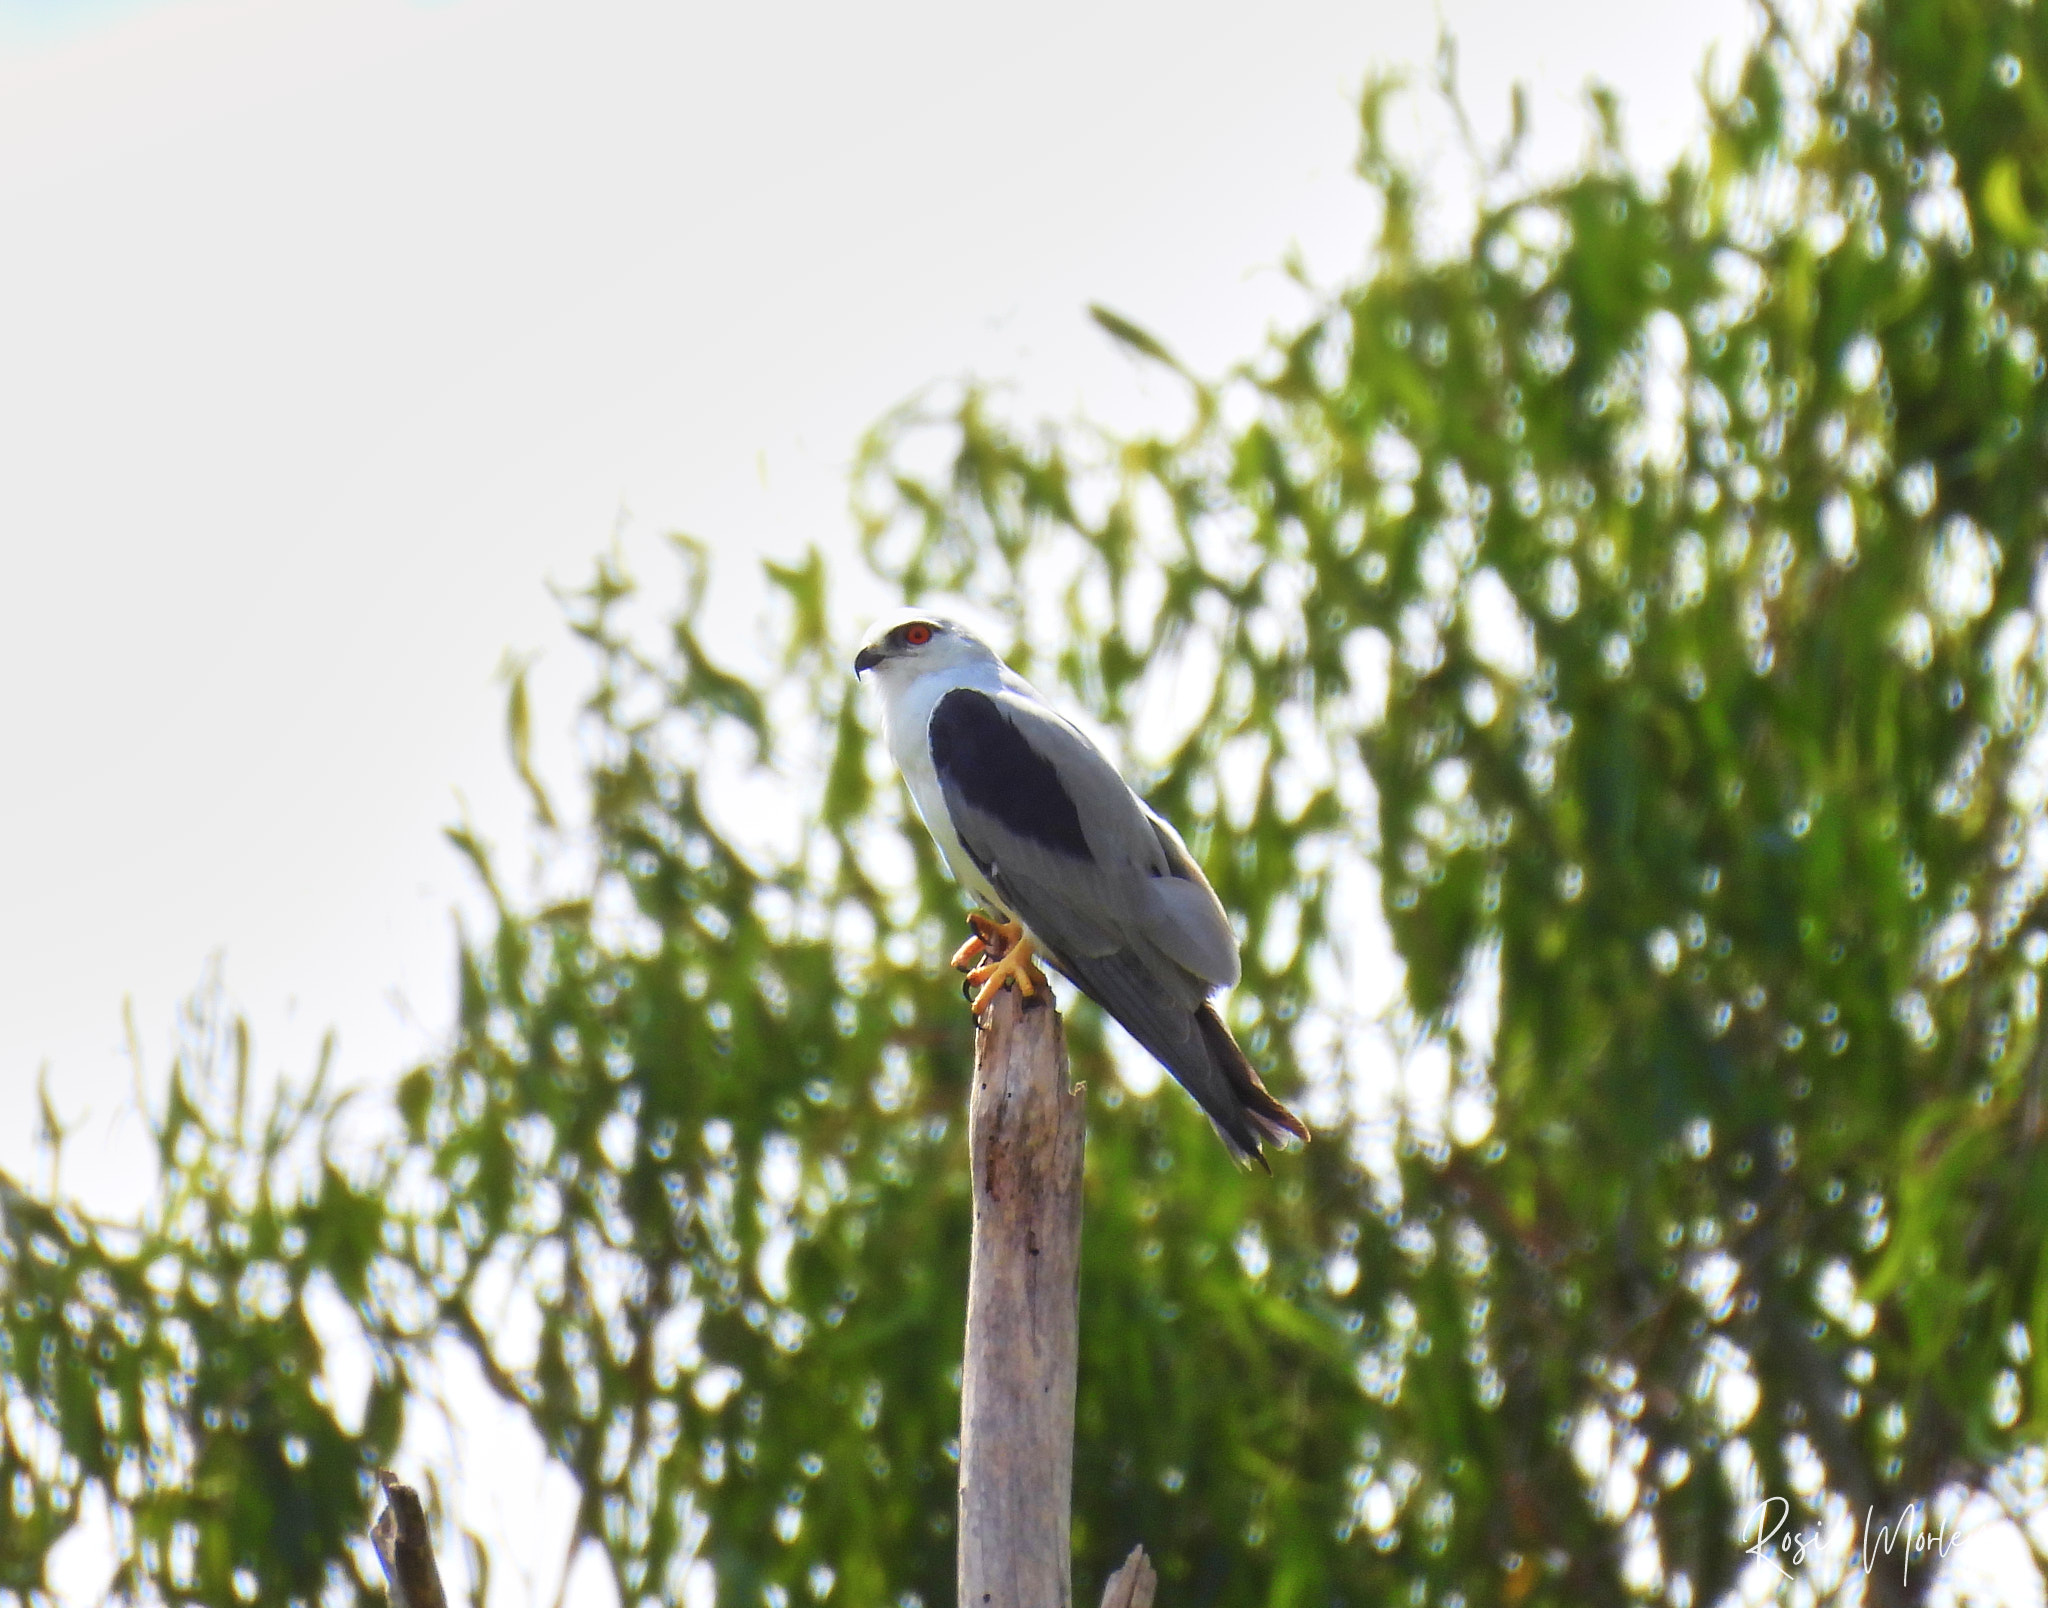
1014	965
992	939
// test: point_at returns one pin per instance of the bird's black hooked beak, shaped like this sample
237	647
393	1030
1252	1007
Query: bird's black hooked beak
866	660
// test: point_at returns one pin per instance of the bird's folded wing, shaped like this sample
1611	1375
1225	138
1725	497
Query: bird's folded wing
1080	861
1192	926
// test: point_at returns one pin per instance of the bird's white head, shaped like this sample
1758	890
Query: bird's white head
910	645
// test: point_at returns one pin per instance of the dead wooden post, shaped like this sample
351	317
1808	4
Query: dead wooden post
1024	1136
404	1548
1131	1586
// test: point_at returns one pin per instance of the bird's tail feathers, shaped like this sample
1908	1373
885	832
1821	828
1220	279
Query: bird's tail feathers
1195	1046
1258	1115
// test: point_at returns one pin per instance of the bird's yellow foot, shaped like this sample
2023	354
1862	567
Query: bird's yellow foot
990	935
1014	965
1009	953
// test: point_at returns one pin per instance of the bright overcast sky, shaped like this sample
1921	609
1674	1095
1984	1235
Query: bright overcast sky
331	332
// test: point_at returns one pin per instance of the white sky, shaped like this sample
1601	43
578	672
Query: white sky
331	332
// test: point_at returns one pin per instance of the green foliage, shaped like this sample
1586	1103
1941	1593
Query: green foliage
173	1368
1601	670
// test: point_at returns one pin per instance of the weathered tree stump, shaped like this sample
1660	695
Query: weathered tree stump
1132	1585
404	1547
1024	1135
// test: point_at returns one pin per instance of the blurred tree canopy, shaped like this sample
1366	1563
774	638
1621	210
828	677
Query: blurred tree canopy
1601	667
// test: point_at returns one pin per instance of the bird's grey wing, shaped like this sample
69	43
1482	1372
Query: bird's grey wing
1198	933
1106	889
1047	819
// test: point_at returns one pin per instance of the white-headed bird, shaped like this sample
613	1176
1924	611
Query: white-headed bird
1038	826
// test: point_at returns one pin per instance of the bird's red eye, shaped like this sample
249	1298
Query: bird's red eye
917	635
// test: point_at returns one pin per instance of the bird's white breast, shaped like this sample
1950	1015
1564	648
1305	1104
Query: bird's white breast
906	721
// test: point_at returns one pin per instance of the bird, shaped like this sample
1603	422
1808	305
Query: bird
1071	866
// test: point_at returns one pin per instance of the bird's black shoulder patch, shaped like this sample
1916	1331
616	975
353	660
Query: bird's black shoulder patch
983	758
